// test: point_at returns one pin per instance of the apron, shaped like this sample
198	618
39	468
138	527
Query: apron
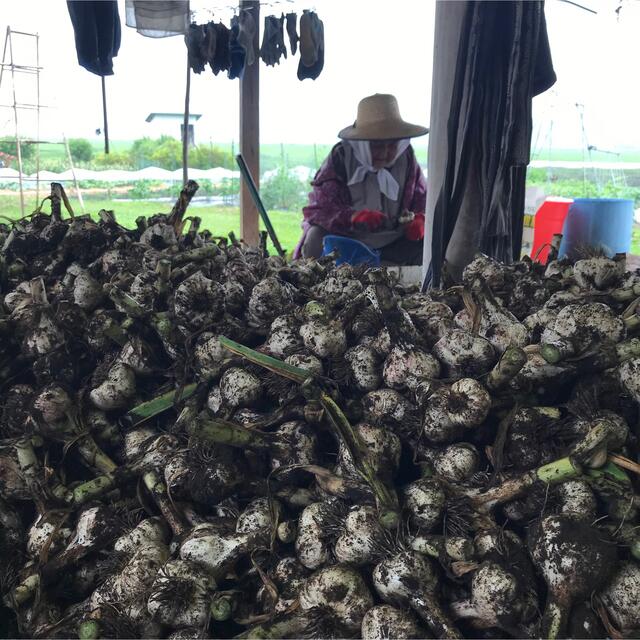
366	195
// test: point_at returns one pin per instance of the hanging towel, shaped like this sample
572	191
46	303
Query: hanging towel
481	130
96	26
158	18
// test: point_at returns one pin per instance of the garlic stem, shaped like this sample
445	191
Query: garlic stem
158	490
509	365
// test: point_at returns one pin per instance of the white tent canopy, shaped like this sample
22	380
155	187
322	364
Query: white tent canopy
216	175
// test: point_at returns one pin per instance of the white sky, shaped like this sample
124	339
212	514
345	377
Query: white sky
371	46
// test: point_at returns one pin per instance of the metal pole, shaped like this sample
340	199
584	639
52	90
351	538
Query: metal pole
15	117
38	119
185	128
255	196
73	173
104	116
4	53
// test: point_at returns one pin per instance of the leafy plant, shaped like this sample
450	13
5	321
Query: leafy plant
8	146
80	149
168	154
141	189
208	157
284	191
141	152
113	160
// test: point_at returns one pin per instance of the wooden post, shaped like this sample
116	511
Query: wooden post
185	127
250	132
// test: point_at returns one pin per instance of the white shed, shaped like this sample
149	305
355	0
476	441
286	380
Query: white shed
171	124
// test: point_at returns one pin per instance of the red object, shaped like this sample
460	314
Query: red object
549	220
414	230
373	219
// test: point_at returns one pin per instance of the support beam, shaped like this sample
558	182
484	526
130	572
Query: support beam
250	132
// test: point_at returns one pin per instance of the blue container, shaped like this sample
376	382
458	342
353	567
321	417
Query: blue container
605	223
349	250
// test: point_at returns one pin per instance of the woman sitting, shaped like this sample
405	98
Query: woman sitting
370	187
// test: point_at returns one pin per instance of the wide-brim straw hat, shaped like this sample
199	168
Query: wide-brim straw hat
379	119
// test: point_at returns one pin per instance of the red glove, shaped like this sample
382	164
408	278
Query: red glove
414	230
373	219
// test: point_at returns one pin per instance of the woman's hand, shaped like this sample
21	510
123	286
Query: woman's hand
414	230
372	219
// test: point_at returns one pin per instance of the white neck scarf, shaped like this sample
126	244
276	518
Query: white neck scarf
388	184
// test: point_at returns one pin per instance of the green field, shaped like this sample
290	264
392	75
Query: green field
219	220
271	155
312	155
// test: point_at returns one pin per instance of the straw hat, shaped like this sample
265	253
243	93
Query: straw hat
379	119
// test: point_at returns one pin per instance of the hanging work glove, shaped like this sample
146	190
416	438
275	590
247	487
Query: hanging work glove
414	230
372	219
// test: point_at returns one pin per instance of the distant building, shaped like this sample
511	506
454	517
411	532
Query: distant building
171	124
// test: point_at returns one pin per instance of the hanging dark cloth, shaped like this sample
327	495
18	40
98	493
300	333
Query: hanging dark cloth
96	26
477	166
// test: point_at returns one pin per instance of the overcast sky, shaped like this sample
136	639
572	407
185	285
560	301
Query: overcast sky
371	46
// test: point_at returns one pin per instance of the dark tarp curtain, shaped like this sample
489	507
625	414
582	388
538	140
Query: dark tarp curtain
483	84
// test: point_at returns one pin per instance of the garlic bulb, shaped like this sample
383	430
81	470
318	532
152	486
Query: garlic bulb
240	388
117	390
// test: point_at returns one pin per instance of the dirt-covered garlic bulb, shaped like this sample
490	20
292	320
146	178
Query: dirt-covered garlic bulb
117	390
598	272
147	533
209	355
409	578
136	354
383	446
425	500
336	290
364	368
270	298
487	269
52	404
432	319
48	533
582	325
322	336
240	388
313	543
87	291
457	463
574	559
629	374
215	550
361	538
577	499
407	367
284	338
198	301
497	599
464	355
450	410
384	622
127	588
621	598
181	595
306	361
386	407
339	590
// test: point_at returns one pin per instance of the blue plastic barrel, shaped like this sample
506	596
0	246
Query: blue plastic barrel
349	250
605	223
